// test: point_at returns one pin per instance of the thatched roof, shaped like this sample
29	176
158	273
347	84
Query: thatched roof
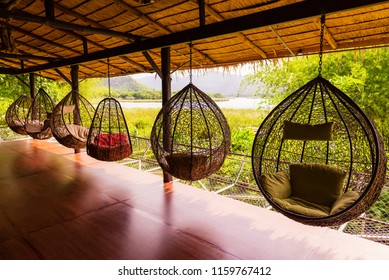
87	32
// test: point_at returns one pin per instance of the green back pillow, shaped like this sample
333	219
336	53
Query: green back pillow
317	183
276	184
298	131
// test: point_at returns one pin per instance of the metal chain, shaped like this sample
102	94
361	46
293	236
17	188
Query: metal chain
322	21
109	79
190	62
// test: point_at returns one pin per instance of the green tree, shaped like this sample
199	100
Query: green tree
362	74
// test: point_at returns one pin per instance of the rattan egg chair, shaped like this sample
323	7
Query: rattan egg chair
190	137
72	118
17	113
37	123
108	138
317	157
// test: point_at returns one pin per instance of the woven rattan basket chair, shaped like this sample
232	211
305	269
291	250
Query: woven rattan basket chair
72	118
17	113
37	123
108	138
341	161
190	137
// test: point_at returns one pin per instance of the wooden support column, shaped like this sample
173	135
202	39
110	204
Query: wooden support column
33	93
166	95
202	12
32	85
76	99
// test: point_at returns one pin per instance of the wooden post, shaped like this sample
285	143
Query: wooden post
32	85
75	96
166	94
33	94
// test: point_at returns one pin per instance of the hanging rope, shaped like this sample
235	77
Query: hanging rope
322	21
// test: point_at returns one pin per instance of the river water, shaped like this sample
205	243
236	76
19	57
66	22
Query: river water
232	103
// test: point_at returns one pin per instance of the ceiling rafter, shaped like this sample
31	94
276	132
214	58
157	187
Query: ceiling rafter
327	34
53	55
282	41
11	4
154	23
26	17
216	15
24	56
32	35
94	23
256	21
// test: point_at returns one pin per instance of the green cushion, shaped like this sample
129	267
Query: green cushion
303	207
298	131
276	184
317	183
344	201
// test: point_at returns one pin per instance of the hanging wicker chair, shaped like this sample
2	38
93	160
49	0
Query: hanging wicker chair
37	123
72	118
108	138
17	113
317	158
190	137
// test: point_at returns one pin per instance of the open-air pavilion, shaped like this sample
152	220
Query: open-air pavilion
59	203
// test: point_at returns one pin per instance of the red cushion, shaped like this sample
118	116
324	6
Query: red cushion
112	139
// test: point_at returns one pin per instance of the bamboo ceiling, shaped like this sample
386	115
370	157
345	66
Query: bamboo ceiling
45	34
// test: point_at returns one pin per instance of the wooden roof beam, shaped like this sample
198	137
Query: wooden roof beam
26	17
201	5
152	63
22	81
142	16
301	10
63	76
11	4
85	41
327	34
32	35
49	9
212	12
76	15
152	22
25	56
282	41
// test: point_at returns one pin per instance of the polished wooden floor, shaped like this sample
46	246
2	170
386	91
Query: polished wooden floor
55	204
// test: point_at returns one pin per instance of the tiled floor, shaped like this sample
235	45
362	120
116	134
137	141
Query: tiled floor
55	204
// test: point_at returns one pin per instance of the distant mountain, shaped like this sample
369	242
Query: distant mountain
209	82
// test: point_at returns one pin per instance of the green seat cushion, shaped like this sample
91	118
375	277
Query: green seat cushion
344	201
317	183
303	207
276	185
298	131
